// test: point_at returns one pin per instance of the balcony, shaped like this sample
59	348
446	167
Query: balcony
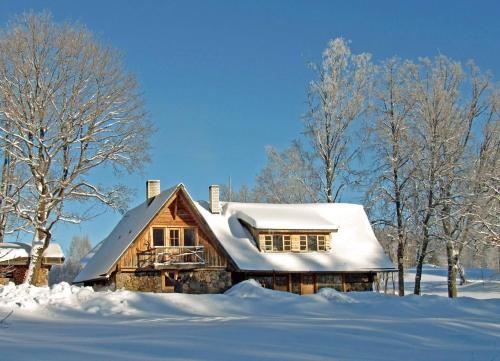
172	257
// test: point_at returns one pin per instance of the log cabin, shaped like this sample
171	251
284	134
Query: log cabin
171	243
14	259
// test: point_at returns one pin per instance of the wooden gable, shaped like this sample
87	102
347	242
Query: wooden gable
177	213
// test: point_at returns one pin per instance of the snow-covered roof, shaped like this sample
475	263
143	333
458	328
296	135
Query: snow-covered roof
106	253
14	250
354	245
283	216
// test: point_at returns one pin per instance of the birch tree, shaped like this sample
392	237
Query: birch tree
336	100
393	152
71	108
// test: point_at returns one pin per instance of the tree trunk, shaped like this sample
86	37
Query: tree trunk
420	264
452	269
461	273
401	271
40	244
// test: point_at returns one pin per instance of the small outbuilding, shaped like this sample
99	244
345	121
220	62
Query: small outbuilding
14	259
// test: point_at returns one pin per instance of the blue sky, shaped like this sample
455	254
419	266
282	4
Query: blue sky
223	79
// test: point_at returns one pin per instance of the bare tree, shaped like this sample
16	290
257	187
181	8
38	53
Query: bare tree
436	91
336	99
243	194
79	247
450	101
393	149
457	183
288	177
487	209
71	108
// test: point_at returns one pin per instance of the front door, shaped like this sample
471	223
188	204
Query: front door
307	284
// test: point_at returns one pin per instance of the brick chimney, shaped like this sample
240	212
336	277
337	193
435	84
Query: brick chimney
152	189
213	198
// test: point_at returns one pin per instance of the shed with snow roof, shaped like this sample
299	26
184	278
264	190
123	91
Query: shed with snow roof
14	258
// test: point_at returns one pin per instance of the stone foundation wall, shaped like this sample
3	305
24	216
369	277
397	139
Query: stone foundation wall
205	281
196	281
139	281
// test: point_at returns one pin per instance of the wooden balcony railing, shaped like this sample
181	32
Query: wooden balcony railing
172	257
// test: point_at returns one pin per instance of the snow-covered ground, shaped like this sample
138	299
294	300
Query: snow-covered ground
251	323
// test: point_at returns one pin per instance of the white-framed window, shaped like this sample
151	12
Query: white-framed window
174	237
287	243
303	243
268	243
321	243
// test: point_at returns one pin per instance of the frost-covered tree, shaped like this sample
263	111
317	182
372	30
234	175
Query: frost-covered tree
392	147
336	100
450	102
71	108
486	210
288	177
79	247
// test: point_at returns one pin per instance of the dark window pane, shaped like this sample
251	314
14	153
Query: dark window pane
158	237
312	243
278	243
189	237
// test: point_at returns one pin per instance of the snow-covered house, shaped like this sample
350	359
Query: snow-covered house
14	258
171	243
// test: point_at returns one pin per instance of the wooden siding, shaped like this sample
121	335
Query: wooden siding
175	214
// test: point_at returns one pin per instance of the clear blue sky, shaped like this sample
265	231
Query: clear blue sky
223	79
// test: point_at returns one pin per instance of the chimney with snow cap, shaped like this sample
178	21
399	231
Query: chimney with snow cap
152	189
213	198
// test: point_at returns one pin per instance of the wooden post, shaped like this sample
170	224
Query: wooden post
344	289
315	284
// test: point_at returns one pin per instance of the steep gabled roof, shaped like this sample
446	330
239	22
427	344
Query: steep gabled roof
107	252
354	245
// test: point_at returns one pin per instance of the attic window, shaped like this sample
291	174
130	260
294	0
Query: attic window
278	243
312	242
287	243
290	242
303	243
268	243
321	243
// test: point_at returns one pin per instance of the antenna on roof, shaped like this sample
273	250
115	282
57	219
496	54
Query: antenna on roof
230	191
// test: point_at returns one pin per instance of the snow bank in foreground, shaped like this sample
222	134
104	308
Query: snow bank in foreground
334	295
253	289
63	296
